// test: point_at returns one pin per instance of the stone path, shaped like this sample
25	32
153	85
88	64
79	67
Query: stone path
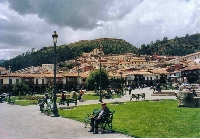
26	122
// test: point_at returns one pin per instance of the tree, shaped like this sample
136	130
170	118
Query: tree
94	77
19	88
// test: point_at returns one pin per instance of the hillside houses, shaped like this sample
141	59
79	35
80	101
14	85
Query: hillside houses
129	68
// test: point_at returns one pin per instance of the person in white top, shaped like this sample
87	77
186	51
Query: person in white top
99	117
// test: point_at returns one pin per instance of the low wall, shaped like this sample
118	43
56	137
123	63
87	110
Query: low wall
187	99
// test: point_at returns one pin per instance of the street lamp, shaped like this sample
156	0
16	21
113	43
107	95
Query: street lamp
121	83
114	85
95	85
100	53
9	84
78	63
55	109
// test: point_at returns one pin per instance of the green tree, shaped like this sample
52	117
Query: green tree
95	77
20	88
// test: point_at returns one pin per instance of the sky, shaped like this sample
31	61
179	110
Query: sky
27	24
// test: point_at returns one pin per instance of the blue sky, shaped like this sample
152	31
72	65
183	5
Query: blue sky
27	24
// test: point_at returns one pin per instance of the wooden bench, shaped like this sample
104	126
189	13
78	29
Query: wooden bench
1	99
49	107
87	118
137	96
142	95
71	98
12	100
106	125
40	100
134	96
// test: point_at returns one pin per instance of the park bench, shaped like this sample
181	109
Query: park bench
137	96
12	100
142	95
46	109
134	96
2	98
72	98
105	125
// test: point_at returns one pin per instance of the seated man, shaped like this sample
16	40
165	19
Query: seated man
63	97
46	98
99	117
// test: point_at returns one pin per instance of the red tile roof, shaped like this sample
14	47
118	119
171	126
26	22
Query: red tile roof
192	67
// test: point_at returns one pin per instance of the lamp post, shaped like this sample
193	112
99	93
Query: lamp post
114	85
55	109
121	83
78	62
9	84
100	53
95	85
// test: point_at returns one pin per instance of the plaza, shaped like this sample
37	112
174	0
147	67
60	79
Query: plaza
27	122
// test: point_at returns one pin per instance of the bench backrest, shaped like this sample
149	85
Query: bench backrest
111	112
95	111
134	95
110	117
73	95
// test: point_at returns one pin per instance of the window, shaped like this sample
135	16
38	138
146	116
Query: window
1	81
17	80
26	80
10	81
42	81
36	81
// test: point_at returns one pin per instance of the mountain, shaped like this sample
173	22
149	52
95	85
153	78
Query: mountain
68	52
1	61
179	46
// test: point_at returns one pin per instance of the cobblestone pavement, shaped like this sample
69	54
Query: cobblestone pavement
26	122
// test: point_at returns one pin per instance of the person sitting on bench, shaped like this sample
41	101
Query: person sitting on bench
99	117
63	97
46	98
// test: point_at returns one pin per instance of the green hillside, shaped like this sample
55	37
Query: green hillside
68	52
174	47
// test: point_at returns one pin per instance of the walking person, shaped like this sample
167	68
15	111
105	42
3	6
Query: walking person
129	90
80	95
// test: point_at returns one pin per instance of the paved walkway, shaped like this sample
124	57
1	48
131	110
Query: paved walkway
26	122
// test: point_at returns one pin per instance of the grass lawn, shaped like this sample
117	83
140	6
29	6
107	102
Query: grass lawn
95	97
26	102
147	119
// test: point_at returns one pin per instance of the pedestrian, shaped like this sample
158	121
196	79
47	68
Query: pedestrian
154	89
80	95
129	90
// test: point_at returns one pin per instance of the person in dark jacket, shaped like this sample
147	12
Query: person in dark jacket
46	97
194	92
99	117
63	97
